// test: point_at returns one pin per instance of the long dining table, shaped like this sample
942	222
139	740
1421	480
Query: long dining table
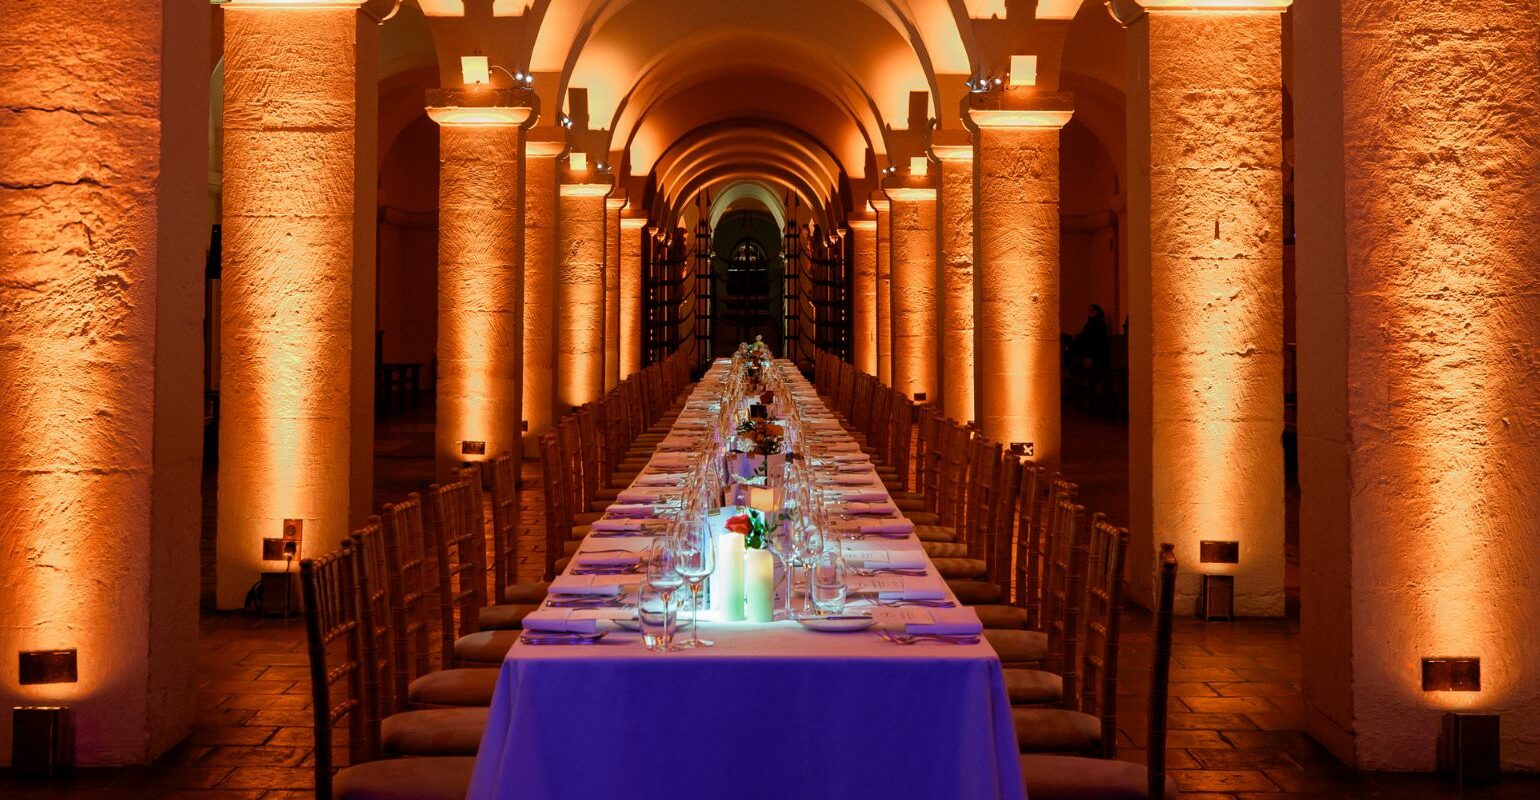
773	710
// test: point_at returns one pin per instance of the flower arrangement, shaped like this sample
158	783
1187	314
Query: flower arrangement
768	438
754	527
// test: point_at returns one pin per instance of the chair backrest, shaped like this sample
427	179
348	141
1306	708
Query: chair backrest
1160	671
1028	543
1063	596
983	469
1049	548
954	474
1106	571
370	570
1002	522
412	590
901	437
505	525
450	540
475	510
328	587
556	530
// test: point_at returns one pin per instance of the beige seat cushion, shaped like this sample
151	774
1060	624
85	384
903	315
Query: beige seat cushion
908	497
504	617
944	549
486	647
607	493
434	732
561	564
1033	687
1018	647
911	506
1002	617
527	592
1075	778
922	517
965	568
1055	730
976	593
935	533
406	779
588	517
454	687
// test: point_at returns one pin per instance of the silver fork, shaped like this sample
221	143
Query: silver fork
917	638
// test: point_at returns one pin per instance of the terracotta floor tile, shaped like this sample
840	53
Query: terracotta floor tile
1222	781
1229	705
265	778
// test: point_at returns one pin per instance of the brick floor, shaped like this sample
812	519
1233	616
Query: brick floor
1234	709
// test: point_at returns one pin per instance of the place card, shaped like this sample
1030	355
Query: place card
896	587
962	621
603	585
893	559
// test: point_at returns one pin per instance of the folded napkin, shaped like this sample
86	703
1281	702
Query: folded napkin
841	447
678	443
639	495
893	587
562	620
885	526
860	497
604	585
670	460
860	478
661	479
821	423
871	508
608	559
851	458
892	559
962	621
629	511
618	525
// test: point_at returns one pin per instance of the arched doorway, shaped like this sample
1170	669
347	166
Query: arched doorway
748	267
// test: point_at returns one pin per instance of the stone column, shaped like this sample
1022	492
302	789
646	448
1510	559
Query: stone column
103	163
955	230
297	335
480	211
884	291
1017	274
913	283
540	267
580	289
1419	314
612	208
631	295
1206	265
863	296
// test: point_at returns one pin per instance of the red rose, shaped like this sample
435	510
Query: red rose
740	524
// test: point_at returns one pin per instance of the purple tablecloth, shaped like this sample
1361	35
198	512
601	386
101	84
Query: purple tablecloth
773	711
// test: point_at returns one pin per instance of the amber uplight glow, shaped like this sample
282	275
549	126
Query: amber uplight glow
955	293
540	209
884	291
580	295
913	285
479	300
631	294
863	302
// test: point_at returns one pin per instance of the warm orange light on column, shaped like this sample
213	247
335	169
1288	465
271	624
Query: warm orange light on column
540	210
479	302
612	312
884	290
1214	298
292	246
863	296
913	283
1017	274
103	165
955	220
580	289
1419	315
631	295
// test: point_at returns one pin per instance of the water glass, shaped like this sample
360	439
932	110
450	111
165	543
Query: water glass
655	614
827	582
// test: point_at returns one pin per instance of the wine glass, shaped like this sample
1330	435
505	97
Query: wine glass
695	560
662	576
826	582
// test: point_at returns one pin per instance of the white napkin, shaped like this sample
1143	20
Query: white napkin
875	509
894	559
617	525
851	458
885	526
561	620
606	585
670	460
660	479
608	559
632	511
893	587
678	443
858	478
638	495
841	447
869	497
962	621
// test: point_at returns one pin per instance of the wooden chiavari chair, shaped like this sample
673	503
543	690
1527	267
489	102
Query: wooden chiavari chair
335	642
1056	777
391	729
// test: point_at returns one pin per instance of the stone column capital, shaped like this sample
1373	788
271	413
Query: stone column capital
585	189
1019	108
616	200
863	222
547	148
633	223
1126	12
952	152
480	106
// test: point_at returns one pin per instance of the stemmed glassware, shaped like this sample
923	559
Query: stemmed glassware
663	578
695	560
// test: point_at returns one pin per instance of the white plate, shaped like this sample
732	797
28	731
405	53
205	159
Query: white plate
843	623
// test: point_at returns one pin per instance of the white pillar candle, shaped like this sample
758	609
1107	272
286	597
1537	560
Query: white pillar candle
727	580
759	585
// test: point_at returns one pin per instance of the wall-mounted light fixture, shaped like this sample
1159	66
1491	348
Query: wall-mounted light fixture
1451	674
477	71
1470	747
578	161
42	740
48	666
919	166
1216	598
1217	552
